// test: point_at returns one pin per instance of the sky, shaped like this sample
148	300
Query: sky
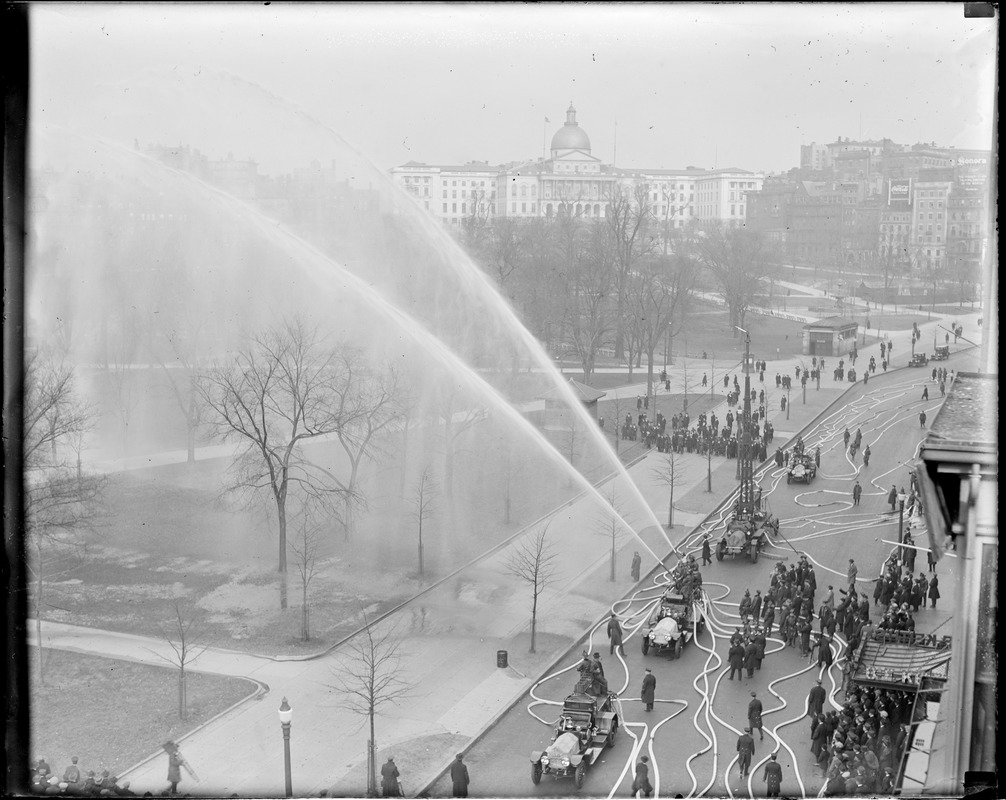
654	85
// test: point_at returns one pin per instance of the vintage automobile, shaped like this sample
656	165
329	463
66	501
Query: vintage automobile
919	360
942	353
585	727
674	623
802	469
746	533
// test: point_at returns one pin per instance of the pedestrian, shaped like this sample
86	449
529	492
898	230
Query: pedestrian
641	781
773	777
934	590
639	403
933	375
72	773
825	657
817	456
174	770
736	658
754	715
866	456
707	555
925	392
750	658
459	777
636	562
615	635
705	380
845	437
852	572
857	492
892	497
922	419
745	749
815	700
943	389
647	693
389	778
866	377
884	364
931	558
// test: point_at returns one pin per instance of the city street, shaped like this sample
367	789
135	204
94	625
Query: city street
691	735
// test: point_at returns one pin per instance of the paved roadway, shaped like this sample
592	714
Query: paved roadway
691	736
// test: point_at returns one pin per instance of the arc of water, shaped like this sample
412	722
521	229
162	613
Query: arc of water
400	319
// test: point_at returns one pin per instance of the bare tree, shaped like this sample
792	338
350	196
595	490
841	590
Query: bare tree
739	259
281	392
658	294
423	506
629	217
457	421
62	503
669	472
309	550
532	560
183	373
369	681
183	634
610	523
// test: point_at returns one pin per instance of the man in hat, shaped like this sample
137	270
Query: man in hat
459	777
615	635
773	777
389	778
857	492
72	773
736	658
600	682
745	749
707	555
641	780
648	692
852	573
754	715
815	699
892	498
636	563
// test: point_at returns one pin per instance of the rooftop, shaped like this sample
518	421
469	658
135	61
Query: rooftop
834	323
969	415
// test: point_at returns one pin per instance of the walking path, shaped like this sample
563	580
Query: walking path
450	638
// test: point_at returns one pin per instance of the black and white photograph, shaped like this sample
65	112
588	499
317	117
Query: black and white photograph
501	400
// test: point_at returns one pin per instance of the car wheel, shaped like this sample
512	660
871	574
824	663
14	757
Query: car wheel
645	645
679	646
613	733
536	773
754	555
578	776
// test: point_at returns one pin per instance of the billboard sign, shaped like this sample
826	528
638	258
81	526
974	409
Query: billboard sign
899	190
972	173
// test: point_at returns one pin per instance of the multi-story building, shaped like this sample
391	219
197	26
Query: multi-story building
572	180
931	194
814	156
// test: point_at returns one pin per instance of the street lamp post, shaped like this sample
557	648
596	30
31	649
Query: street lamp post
285	720
901	518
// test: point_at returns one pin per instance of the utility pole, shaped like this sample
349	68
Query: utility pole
745	499
709	444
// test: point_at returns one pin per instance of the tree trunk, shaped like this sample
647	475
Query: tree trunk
190	444
281	512
372	758
181	691
38	622
305	614
534	618
420	541
611	577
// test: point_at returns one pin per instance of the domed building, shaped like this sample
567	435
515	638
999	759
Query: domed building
570	137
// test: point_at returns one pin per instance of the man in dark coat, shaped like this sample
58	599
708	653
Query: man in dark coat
754	715
636	562
825	656
389	778
641	781
736	658
648	692
815	699
934	589
750	657
174	770
707	555
892	498
745	749
615	635
773	777
459	777
857	492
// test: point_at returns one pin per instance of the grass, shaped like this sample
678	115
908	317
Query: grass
111	714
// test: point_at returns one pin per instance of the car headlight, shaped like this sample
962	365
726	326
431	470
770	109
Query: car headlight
544	761
564	762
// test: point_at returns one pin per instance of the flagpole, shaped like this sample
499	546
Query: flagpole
544	136
614	149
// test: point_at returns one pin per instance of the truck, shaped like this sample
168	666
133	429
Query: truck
586	726
747	533
674	623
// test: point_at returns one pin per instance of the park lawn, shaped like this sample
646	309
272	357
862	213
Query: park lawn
112	714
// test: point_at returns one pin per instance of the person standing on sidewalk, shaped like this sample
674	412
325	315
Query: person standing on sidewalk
934	590
389	778
615	635
773	777
175	761
745	749
459	777
636	563
892	498
922	419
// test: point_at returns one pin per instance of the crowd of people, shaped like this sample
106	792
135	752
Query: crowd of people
76	782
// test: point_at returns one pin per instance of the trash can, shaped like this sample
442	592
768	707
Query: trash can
501	659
